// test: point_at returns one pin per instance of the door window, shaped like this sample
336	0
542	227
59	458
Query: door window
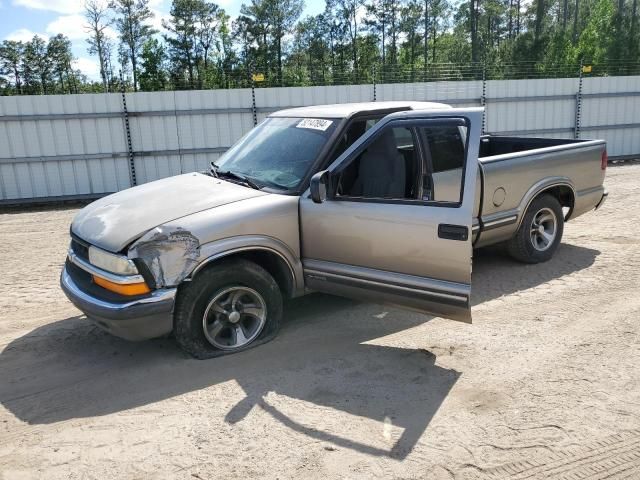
356	129
387	168
445	152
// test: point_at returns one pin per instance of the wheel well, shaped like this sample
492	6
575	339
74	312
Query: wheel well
273	263
564	194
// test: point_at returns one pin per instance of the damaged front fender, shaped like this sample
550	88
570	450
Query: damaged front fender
170	253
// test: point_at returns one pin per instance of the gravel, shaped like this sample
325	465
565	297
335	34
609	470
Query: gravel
544	384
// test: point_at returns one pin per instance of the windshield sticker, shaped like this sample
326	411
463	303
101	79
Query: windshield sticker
315	124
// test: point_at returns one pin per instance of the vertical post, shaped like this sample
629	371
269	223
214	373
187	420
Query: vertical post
127	128
483	98
254	110
374	82
576	128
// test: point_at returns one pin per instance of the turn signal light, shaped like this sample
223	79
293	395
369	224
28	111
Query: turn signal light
123	289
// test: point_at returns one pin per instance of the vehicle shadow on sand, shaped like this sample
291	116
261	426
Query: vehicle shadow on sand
327	354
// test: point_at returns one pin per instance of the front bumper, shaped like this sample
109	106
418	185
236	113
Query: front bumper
605	194
139	319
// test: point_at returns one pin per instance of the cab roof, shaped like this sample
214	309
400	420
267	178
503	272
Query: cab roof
346	110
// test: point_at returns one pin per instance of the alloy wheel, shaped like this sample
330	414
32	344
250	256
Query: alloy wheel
543	229
234	318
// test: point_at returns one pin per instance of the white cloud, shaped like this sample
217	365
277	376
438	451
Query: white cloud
24	35
111	33
60	6
88	66
156	21
72	26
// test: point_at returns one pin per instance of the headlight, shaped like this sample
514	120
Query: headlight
111	263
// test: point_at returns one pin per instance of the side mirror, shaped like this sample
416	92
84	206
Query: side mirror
319	186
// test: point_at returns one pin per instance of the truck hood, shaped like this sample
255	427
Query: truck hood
113	222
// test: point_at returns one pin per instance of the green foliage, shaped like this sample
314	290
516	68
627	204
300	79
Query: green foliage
351	41
96	15
11	58
153	76
597	41
131	22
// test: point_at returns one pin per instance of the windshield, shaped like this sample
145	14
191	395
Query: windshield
278	152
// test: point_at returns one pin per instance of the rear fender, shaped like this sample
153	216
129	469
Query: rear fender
539	188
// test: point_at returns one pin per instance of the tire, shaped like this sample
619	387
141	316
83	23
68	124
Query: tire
226	292
539	233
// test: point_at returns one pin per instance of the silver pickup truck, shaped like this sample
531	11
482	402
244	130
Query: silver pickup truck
376	201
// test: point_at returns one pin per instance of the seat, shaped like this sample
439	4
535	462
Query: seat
382	170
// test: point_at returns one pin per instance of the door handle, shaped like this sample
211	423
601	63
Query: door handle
453	232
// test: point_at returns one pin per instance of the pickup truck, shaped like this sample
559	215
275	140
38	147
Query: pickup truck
381	201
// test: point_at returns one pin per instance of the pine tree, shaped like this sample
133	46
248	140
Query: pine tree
131	22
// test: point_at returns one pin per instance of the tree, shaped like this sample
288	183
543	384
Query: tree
130	22
438	23
634	20
61	59
597	38
425	51
575	20
153	59
182	26
11	55
412	15
634	38
348	11
336	32
383	19
96	14
394	11
282	16
540	14
343	44
224	46
565	13
210	19
474	13
312	46
377	21
37	67
254	29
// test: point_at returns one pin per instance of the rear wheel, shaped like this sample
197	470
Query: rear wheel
540	231
227	308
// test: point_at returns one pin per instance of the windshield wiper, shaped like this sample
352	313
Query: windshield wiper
243	178
214	169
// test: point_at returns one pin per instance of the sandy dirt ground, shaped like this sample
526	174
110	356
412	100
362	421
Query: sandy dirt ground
544	384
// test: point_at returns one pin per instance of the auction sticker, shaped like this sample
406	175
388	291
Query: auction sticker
315	124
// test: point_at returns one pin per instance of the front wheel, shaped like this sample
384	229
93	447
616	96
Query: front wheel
540	231
227	308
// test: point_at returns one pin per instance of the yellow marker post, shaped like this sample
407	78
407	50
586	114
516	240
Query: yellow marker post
258	77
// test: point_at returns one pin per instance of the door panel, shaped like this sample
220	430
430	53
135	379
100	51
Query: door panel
401	252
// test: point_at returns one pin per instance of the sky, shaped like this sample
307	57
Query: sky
22	19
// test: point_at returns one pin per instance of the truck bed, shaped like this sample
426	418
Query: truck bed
491	146
513	170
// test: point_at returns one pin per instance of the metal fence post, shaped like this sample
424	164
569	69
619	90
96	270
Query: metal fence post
254	110
576	129
127	128
483	98
374	83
